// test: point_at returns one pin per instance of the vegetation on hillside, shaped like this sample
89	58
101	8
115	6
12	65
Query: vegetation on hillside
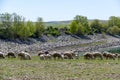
14	26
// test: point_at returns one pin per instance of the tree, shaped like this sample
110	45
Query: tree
114	21
5	25
96	26
80	29
82	20
40	28
104	27
31	28
18	22
73	27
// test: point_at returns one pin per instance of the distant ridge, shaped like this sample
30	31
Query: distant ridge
67	22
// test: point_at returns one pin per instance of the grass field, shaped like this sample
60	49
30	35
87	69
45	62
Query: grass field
79	69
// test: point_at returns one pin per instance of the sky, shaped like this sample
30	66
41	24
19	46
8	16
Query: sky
59	10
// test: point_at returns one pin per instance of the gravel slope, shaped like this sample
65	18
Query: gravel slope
61	43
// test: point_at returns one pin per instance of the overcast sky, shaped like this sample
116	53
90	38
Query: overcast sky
58	10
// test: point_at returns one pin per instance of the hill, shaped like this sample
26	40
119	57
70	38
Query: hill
67	22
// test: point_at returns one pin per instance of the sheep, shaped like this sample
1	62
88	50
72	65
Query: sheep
111	56
11	54
45	56
42	56
108	55
68	55
2	55
56	55
24	56
105	54
40	53
88	55
97	55
115	55
75	55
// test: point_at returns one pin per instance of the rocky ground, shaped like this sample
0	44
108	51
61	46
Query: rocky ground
61	43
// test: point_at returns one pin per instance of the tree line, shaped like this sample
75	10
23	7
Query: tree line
14	26
81	26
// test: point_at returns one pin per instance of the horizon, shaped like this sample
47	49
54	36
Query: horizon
62	10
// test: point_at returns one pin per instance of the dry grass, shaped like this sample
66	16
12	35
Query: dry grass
80	69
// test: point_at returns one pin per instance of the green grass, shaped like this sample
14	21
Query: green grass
78	69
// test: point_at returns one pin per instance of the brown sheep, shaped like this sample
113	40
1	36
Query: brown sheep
24	56
88	55
71	54
108	55
111	56
97	55
68	55
57	55
105	54
11	54
2	55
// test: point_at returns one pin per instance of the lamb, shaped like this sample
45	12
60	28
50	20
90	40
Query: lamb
11	54
24	56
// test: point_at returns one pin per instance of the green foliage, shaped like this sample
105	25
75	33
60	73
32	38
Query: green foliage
96	26
67	31
114	21
52	31
18	22
73	27
14	26
5	25
80	30
31	27
82	20
104	27
115	30
26	30
79	26
40	28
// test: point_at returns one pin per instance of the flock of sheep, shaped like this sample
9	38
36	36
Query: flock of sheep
103	55
44	55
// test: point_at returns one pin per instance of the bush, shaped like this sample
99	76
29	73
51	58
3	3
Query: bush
113	30
52	31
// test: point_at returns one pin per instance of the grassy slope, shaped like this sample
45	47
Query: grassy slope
79	69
